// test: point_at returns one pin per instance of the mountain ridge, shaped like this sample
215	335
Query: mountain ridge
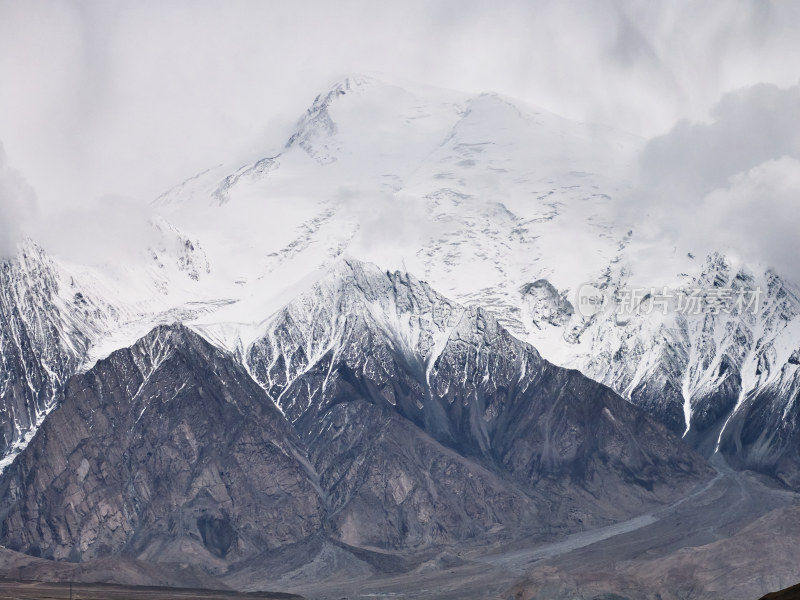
152	452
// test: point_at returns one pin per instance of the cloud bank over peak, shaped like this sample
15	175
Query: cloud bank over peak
757	215
130	98
100	102
731	183
747	127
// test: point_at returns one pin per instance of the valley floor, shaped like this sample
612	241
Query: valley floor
732	538
699	547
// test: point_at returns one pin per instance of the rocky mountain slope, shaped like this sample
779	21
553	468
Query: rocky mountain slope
167	451
362	346
58	317
402	421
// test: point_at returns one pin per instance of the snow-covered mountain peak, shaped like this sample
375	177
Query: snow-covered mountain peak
397	302
351	303
318	111
367	319
163	337
165	341
351	275
53	305
30	264
463	188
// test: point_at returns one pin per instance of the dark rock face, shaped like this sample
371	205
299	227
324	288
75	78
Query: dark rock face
165	449
390	484
217	533
764	434
792	593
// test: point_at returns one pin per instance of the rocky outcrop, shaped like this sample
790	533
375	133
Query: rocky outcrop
164	451
545	305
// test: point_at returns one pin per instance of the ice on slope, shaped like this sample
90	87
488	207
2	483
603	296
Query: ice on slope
457	188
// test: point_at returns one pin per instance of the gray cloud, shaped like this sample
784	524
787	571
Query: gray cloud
17	207
114	229
756	217
747	128
131	98
731	183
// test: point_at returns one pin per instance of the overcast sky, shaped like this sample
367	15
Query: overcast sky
127	98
